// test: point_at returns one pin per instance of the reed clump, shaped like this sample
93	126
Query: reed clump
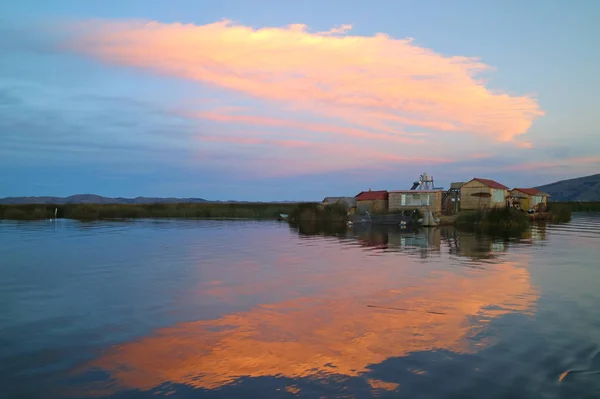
493	220
559	212
314	212
577	206
313	218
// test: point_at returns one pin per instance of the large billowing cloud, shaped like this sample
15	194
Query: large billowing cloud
283	101
376	82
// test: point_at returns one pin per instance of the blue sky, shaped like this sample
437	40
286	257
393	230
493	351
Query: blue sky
162	98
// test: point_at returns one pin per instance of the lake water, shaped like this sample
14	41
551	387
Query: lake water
231	309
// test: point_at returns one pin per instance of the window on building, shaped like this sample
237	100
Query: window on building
536	200
498	195
415	200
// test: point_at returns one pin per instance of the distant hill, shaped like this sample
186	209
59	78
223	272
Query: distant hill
585	188
96	199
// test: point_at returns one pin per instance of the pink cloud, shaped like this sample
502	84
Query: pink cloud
375	82
245	140
307	126
525	144
274	160
339	30
480	155
233	140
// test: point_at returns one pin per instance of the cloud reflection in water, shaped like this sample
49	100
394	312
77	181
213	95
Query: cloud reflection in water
332	331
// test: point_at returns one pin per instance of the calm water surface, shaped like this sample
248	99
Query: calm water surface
228	309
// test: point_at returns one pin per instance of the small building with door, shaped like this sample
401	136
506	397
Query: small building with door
530	198
480	193
409	200
372	201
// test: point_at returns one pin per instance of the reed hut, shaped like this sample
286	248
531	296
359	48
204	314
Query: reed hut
481	193
530	198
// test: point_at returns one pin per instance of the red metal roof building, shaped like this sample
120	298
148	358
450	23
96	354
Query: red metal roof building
491	183
529	191
382	195
372	201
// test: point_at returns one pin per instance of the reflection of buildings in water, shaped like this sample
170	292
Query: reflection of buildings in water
338	333
372	236
473	245
482	246
429	240
425	240
536	234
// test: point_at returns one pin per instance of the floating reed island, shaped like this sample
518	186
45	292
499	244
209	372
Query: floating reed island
309	212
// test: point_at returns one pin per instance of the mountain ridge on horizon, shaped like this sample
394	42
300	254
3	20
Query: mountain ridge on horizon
585	188
99	199
94	199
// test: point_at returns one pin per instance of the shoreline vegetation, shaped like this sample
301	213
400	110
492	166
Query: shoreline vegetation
204	210
495	219
306	213
510	219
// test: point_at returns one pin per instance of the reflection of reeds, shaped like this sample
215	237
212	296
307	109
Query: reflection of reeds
120	211
319	228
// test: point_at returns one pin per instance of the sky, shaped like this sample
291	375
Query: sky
270	100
